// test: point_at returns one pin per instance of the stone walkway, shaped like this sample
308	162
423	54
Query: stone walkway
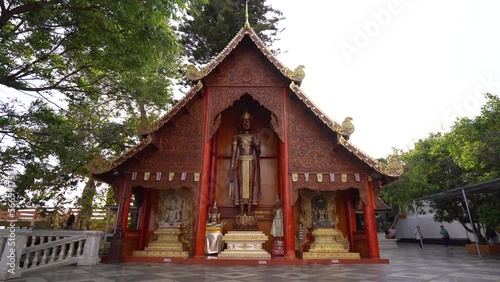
407	263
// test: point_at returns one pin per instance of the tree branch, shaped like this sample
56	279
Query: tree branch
30	7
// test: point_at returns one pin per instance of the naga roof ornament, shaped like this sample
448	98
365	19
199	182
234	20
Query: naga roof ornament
347	128
394	167
193	74
297	74
99	164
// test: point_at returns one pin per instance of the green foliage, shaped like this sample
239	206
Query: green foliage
489	212
78	47
208	28
90	70
469	154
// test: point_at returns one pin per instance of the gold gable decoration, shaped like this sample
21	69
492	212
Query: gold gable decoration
99	164
394	167
347	128
297	74
145	126
193	74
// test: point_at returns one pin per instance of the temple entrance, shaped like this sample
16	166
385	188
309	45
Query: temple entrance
262	206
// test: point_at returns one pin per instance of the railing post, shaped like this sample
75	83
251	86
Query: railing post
11	253
91	249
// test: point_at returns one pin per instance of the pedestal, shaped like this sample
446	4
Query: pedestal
278	248
244	245
329	243
213	240
166	245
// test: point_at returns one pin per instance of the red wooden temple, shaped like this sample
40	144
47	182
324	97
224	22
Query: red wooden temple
187	153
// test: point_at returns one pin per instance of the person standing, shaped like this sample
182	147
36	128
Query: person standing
445	236
419	237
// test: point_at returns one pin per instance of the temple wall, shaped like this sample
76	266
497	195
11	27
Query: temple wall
179	152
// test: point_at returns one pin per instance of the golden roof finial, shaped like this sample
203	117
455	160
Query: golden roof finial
247	24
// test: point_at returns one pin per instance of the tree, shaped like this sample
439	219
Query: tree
92	71
208	28
78	46
466	155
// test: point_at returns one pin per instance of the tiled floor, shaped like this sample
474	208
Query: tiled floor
407	263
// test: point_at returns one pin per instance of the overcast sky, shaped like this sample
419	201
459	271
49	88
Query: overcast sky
400	69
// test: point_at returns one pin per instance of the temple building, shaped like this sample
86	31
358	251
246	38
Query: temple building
246	167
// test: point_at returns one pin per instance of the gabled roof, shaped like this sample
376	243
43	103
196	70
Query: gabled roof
296	75
392	169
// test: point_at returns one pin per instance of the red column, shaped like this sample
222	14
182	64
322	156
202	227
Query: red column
351	218
213	171
370	222
126	210
119	235
199	243
144	218
289	228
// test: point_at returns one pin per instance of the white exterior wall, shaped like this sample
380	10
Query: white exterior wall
429	228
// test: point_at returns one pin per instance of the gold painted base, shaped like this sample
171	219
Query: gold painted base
244	245
166	245
329	244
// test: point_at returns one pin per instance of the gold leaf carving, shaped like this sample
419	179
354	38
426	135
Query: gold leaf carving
394	167
99	164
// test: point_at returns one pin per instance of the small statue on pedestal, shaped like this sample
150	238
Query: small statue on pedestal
320	206
173	212
214	217
277	230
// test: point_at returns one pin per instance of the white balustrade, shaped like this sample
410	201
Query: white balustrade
29	250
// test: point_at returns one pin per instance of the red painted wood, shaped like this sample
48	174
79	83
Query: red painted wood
199	243
126	209
351	218
213	171
289	228
370	222
118	239
144	218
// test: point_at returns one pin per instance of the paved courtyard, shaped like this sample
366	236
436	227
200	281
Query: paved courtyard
406	264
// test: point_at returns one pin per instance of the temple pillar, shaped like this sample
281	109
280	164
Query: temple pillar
370	221
144	217
288	223
118	239
213	171
351	218
201	219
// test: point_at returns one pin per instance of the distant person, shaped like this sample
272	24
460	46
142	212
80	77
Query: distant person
419	237
445	236
491	236
391	233
71	221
